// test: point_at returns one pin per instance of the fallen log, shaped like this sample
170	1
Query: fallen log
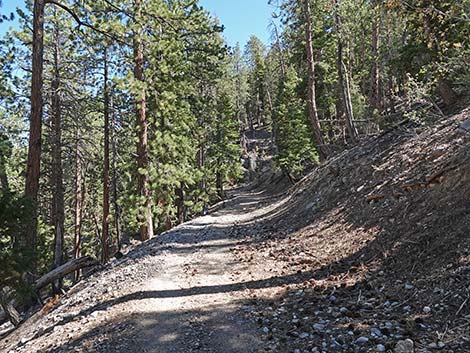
64	270
7	304
5	332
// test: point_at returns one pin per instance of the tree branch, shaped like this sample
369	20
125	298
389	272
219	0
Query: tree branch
82	23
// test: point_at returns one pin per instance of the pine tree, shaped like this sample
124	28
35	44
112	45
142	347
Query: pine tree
323	149
293	137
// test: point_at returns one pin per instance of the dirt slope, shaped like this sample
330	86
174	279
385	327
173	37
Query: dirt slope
367	251
381	237
184	291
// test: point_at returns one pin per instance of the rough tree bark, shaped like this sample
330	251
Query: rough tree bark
323	149
146	229
114	183
201	162
374	97
6	303
220	185
4	155
35	136
63	270
282	61
105	220
57	172
343	78
180	206
79	197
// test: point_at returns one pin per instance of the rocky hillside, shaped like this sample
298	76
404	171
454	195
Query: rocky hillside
368	253
380	237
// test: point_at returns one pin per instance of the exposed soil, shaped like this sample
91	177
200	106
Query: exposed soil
381	237
367	251
185	291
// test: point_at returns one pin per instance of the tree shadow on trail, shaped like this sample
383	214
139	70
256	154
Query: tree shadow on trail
222	329
364	253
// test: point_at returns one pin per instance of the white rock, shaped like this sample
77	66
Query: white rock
381	348
376	332
362	340
426	309
406	346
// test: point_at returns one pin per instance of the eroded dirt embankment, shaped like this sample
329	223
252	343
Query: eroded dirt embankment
366	252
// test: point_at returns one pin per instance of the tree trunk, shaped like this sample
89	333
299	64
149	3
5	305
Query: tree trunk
57	173
114	183
7	305
146	228
105	220
374	97
201	162
79	197
64	270
348	103
35	136
446	92
343	80
323	149
282	61
3	174
220	185
5	153
181	208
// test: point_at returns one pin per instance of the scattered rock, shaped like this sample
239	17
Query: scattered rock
465	126
362	340
376	332
406	346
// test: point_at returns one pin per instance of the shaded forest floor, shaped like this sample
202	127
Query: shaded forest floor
369	250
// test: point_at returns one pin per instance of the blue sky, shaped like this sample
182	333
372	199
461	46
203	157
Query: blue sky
8	7
241	18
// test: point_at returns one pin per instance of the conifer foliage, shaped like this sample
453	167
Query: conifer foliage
133	128
122	119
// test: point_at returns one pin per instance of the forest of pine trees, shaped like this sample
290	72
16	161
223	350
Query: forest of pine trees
125	118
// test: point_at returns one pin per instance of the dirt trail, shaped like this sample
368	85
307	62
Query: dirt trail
197	302
184	291
368	253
